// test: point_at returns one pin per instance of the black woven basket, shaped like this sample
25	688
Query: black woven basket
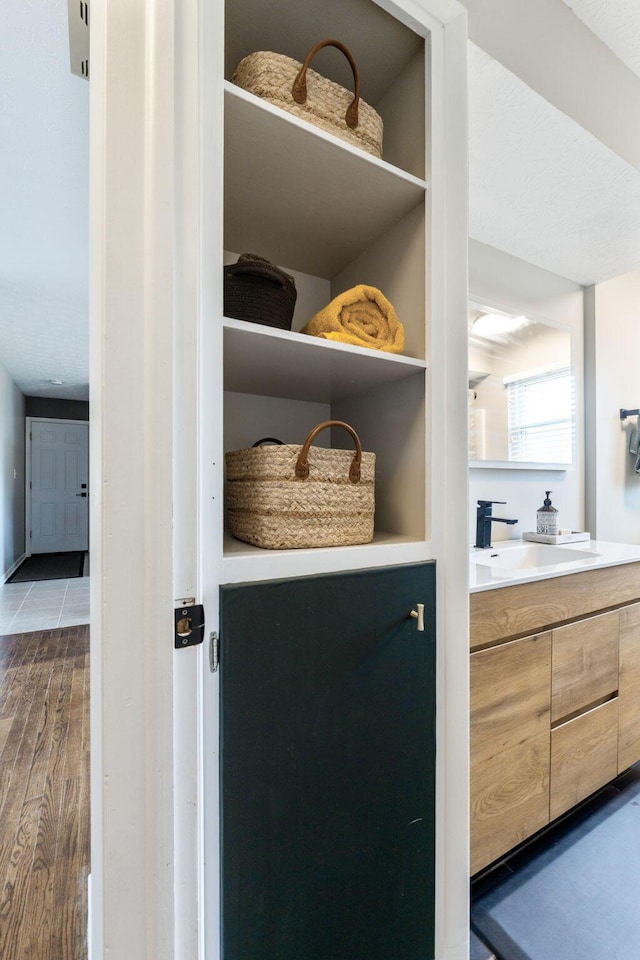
257	290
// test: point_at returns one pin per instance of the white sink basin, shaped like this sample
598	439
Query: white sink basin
527	556
523	561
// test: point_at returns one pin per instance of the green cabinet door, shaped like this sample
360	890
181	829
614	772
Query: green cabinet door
328	767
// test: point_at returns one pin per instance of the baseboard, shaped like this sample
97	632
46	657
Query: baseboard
14	566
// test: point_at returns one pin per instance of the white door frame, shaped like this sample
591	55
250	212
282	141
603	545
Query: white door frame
145	826
27	473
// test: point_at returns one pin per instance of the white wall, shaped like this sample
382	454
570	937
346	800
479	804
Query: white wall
499	280
12	413
613	352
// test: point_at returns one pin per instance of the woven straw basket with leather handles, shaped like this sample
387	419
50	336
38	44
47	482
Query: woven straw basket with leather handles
293	495
299	90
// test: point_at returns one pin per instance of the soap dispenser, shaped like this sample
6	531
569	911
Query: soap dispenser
547	518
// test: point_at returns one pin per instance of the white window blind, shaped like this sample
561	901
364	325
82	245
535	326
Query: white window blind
541	408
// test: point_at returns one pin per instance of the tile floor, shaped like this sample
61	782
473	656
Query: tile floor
43	605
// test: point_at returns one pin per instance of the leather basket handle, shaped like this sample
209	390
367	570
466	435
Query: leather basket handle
302	463
299	89
253	269
275	440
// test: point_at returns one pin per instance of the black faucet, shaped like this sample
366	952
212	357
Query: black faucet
484	519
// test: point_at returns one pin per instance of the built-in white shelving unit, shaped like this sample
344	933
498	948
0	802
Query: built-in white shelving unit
334	216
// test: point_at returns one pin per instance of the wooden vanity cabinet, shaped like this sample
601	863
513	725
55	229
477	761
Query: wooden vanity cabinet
555	715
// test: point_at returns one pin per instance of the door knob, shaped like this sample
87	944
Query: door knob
419	616
80	494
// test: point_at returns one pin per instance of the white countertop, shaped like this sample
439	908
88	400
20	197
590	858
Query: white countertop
482	576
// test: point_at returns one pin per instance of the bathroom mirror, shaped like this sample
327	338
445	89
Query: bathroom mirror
522	409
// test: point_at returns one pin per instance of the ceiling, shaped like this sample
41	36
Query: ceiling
541	187
616	23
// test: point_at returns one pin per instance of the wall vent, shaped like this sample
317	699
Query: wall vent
78	15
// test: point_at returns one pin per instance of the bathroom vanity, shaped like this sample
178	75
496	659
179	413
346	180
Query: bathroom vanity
555	683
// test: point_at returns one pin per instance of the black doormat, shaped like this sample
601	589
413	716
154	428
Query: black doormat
49	566
576	896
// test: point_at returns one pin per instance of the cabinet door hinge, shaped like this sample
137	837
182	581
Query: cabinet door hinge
189	624
214	651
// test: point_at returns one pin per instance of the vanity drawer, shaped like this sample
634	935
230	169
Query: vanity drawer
510	687
584	664
584	756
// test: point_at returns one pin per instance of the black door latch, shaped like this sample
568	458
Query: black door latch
189	625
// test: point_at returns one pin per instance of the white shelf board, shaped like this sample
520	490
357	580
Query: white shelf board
302	197
280	363
244	562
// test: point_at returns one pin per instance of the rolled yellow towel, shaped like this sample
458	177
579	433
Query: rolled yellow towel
362	316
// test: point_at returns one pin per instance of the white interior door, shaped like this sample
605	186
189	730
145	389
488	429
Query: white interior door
59	485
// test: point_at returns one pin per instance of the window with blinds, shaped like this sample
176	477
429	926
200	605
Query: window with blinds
541	410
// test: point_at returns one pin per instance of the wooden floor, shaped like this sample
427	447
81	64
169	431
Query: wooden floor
44	794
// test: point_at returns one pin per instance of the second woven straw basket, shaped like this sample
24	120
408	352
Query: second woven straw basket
295	495
294	87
